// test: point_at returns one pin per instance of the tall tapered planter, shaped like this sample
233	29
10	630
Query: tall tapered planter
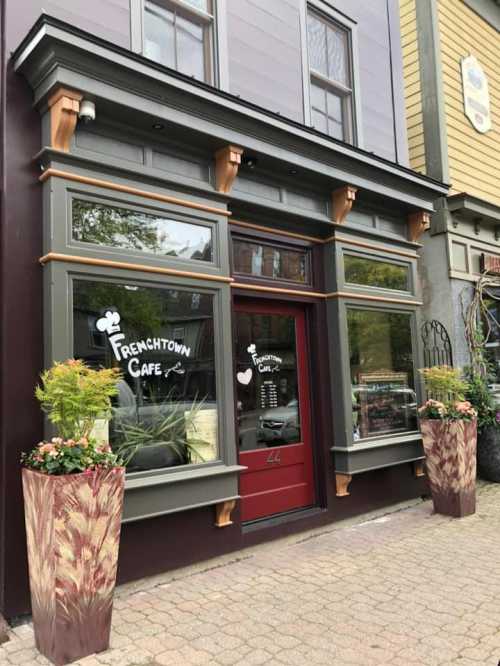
450	450
73	531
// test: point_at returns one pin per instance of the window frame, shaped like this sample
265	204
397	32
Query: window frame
153	210
209	482
327	13
208	21
58	234
238	236
377	254
386	309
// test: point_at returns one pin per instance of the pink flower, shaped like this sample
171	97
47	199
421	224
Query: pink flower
47	448
70	442
83	442
58	441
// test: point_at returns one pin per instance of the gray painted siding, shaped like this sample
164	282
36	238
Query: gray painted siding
108	19
265	54
265	64
264	47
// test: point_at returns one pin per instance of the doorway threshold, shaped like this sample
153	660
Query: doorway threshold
281	519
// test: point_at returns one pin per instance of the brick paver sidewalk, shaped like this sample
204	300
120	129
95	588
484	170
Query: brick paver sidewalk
404	589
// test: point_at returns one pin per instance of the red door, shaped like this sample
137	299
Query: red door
274	426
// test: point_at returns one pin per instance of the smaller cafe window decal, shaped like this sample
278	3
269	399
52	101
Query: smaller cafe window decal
264	363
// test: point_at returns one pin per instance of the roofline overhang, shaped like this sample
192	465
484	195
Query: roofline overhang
55	54
474	206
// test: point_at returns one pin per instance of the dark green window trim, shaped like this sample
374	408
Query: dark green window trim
377	451
58	197
173	489
343	248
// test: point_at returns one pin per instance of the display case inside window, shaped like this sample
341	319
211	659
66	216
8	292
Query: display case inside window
368	272
270	261
127	229
165	412
382	372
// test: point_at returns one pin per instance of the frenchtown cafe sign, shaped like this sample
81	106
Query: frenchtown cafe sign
110	324
476	94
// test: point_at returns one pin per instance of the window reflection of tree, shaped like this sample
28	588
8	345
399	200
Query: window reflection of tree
128	229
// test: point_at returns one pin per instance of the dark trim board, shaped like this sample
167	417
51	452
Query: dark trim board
488	10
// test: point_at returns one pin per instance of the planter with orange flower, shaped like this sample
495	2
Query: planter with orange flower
449	432
73	495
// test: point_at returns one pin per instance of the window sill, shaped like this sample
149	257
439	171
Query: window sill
148	496
369	455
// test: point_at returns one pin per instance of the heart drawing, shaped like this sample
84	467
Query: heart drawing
245	377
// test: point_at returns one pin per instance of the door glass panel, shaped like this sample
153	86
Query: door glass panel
267	381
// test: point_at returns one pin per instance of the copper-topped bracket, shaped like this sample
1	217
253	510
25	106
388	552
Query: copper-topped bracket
342	482
223	513
64	106
342	200
227	163
417	224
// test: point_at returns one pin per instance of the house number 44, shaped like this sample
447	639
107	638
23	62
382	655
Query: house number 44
274	458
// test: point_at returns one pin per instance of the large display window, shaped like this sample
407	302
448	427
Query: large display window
165	413
381	361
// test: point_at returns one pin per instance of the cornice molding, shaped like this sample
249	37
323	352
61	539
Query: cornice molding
57	54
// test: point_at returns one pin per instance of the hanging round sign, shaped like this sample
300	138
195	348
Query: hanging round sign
476	95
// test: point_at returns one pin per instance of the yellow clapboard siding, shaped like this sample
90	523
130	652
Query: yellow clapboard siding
412	83
473	157
473	184
458	19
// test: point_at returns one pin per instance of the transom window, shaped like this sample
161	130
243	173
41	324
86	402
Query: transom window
177	34
331	80
101	224
270	261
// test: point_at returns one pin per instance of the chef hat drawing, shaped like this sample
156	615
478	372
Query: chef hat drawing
109	323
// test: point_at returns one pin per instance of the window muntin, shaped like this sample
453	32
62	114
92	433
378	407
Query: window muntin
382	373
165	413
126	229
270	261
375	273
330	70
177	35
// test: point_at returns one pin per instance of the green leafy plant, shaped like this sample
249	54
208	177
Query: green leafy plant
446	390
74	396
167	427
479	395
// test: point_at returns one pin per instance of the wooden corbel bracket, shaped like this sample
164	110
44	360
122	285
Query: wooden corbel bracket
418	468
227	162
417	224
342	482
223	512
342	200
64	106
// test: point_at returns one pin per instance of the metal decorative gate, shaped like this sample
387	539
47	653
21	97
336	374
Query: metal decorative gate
437	345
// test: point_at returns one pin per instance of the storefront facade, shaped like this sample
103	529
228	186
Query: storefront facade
255	278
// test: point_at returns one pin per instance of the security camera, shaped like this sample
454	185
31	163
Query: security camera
87	111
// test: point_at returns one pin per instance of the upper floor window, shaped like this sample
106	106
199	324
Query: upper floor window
331	78
177	34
